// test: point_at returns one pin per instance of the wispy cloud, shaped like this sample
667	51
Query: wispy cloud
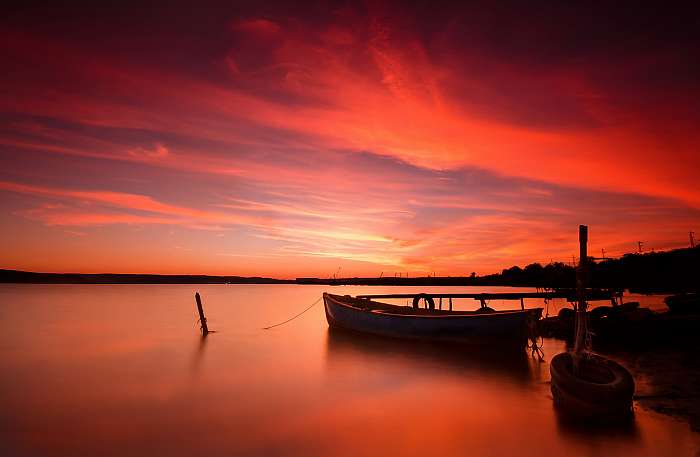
355	138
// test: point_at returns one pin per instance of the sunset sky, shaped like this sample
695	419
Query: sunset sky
258	138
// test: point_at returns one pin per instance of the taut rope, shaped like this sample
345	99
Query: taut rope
295	316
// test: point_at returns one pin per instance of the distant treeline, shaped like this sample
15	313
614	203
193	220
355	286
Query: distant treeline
14	276
667	271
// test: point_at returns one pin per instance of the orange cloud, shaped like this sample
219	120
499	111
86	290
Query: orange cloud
355	140
408	112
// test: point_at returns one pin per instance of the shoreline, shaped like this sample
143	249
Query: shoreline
28	277
667	380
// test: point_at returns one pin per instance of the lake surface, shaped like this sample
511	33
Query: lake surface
120	370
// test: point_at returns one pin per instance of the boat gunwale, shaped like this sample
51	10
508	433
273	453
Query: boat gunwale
446	313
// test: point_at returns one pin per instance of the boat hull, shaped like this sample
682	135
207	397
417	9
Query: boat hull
504	327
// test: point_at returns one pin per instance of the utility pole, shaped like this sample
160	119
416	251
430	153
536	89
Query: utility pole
603	252
639	246
692	239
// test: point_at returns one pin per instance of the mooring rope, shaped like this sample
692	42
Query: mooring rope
295	316
536	349
533	344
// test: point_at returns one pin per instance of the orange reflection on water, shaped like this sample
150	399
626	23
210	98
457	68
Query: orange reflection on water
120	370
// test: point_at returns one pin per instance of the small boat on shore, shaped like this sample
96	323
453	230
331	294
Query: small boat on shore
483	326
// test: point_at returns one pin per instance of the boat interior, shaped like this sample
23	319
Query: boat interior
379	307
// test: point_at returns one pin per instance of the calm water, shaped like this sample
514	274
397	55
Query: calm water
121	371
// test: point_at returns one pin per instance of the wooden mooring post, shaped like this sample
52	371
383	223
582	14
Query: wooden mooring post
202	319
581	278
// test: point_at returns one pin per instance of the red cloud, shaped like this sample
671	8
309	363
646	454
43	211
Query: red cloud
346	138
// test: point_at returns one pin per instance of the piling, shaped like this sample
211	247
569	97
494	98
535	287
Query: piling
202	319
581	272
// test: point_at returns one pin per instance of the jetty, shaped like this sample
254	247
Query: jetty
568	294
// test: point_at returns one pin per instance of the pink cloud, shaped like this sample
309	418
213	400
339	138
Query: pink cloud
348	141
408	113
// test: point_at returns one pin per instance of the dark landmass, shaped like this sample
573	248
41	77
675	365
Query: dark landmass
655	272
396	281
14	276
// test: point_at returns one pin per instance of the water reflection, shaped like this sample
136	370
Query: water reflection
343	347
626	431
81	377
199	353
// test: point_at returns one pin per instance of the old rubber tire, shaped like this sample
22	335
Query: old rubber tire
429	302
603	381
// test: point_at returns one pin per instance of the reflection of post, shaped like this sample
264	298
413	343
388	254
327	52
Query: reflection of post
580	340
202	319
199	353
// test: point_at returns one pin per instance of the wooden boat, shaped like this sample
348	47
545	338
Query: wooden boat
481	326
684	303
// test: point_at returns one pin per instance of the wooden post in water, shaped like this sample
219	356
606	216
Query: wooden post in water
580	341
202	319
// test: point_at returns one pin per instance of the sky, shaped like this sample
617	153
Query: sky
358	139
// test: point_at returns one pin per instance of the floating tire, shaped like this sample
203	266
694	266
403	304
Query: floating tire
602	386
